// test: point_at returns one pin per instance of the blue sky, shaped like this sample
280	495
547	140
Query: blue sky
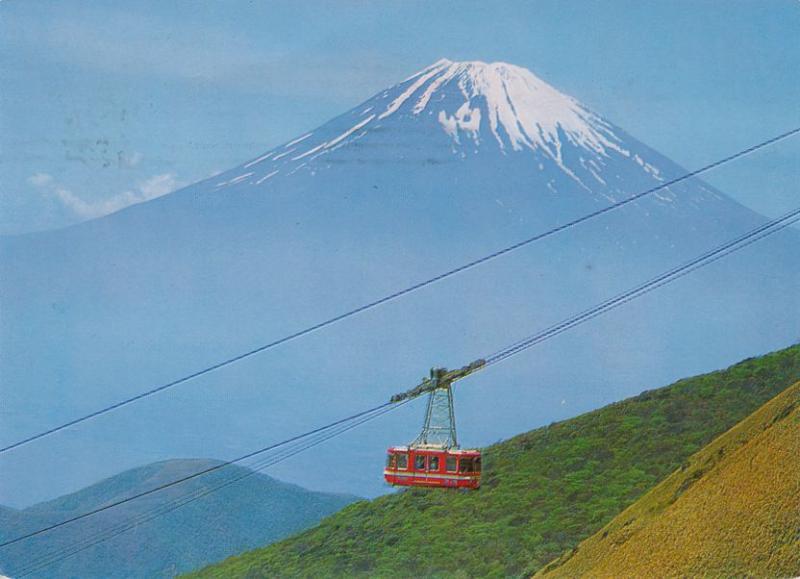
106	104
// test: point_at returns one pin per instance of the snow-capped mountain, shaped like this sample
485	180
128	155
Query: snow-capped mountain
455	162
518	110
479	108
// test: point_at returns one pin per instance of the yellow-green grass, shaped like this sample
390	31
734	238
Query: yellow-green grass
733	510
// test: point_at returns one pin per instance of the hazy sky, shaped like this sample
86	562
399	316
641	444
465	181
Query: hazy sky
109	103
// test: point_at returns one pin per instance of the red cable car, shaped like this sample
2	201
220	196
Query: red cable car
430	467
434	459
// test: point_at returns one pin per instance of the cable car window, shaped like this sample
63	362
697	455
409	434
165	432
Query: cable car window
450	464
477	464
465	465
391	461
433	463
419	462
402	461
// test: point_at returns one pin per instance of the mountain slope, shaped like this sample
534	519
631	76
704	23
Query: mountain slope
256	510
542	491
453	163
732	510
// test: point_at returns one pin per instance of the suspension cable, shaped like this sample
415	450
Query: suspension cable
706	258
395	295
703	260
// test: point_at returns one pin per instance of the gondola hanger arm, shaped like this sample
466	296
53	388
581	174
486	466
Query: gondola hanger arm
439	378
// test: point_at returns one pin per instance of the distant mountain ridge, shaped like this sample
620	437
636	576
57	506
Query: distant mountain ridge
239	516
542	492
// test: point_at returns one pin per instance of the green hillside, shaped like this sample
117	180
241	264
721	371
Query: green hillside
543	491
732	511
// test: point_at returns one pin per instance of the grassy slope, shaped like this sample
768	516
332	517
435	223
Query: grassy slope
734	510
543	491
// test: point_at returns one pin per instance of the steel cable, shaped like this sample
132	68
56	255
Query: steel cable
671	275
400	293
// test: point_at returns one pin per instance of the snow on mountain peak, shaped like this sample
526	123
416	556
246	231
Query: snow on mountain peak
477	105
519	109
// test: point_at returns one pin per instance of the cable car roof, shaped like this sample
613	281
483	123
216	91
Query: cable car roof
468	452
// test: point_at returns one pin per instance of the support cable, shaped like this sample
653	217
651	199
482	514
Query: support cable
400	293
706	259
703	260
